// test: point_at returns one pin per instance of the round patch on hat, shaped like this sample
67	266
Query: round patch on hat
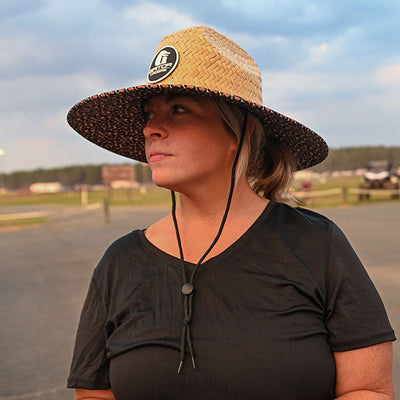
164	62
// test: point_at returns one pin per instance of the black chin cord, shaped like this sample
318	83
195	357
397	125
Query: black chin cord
188	286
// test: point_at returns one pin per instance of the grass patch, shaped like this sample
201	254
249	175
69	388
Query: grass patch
21	222
134	197
12	199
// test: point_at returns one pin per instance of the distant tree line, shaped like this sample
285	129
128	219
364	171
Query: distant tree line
352	158
68	176
338	159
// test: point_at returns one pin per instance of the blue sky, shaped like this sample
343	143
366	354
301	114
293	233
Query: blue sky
333	65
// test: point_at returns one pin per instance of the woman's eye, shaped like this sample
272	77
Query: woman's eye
179	109
147	115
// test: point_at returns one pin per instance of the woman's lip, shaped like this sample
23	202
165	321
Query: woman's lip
157	156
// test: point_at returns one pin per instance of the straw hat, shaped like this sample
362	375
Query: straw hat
194	61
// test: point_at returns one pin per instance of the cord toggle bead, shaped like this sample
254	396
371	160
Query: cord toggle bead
187	289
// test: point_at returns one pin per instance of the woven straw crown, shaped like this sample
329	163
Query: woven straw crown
195	61
211	60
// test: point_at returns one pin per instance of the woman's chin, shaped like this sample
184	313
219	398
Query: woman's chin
165	182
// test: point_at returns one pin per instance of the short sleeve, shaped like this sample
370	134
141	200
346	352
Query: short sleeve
356	316
89	368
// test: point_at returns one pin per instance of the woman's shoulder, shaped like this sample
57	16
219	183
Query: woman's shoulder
307	226
300	215
125	247
125	241
299	224
127	256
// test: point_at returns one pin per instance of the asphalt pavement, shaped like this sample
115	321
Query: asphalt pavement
45	272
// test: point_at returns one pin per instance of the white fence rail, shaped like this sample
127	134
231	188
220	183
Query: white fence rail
344	192
375	192
318	193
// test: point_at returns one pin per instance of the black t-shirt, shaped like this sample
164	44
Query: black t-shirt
269	312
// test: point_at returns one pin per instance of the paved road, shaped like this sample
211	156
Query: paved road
45	270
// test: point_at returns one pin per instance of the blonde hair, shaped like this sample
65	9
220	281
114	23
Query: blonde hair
268	165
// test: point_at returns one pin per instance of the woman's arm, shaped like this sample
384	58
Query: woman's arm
365	373
84	394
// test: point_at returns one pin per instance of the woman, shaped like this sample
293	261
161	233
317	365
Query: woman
234	294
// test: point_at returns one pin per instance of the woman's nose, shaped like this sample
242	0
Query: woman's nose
155	127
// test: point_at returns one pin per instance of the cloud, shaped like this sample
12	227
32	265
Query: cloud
14	8
33	128
41	152
346	109
300	87
152	16
25	54
42	95
390	75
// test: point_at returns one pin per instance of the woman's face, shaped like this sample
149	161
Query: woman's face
187	143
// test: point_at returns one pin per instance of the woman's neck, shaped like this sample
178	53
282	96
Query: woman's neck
210	206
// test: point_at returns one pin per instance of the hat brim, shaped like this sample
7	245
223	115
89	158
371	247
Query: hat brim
115	121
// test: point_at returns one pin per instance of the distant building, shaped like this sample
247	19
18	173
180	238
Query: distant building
124	184
119	177
307	175
45	187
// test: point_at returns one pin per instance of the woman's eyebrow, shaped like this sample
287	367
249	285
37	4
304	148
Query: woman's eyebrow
169	98
172	97
147	104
